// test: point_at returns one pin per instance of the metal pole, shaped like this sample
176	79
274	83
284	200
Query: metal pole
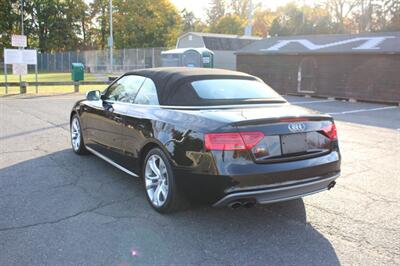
22	33
5	76
36	79
96	63
137	59
123	60
152	58
22	17
248	28
111	38
144	57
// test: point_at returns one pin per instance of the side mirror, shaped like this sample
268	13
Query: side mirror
93	95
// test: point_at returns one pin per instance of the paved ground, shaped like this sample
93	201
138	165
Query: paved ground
60	209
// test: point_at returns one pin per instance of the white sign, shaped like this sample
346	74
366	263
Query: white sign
16	56
12	56
18	40
20	69
29	57
368	43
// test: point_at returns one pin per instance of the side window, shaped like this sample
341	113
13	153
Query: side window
125	89
147	93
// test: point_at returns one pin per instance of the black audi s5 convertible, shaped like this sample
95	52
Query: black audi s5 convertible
218	136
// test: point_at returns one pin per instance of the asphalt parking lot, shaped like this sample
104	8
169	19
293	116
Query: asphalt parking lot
60	209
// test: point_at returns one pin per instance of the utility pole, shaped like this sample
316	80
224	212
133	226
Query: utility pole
248	29
22	33
22	17
110	40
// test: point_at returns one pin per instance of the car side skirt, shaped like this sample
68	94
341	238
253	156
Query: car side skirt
108	160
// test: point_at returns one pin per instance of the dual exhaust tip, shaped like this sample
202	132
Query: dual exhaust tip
242	203
249	203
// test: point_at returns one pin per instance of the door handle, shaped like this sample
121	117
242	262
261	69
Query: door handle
110	109
117	118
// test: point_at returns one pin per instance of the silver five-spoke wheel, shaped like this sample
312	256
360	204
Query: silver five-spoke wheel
75	134
156	178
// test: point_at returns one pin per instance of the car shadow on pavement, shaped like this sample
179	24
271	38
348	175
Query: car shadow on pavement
93	206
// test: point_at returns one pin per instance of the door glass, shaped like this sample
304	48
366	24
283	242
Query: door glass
125	89
147	93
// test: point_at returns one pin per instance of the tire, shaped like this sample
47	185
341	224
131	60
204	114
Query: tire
159	182
76	136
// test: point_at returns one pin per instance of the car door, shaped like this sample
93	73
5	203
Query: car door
106	118
139	122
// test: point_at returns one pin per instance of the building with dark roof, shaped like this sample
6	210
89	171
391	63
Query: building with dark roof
362	66
224	46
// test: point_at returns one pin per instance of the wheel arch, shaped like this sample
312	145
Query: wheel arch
151	144
73	112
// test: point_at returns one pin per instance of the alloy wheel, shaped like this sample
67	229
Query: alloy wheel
156	178
75	134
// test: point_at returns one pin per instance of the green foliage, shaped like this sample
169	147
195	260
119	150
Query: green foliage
191	23
216	11
229	24
145	23
293	20
9	17
99	14
61	25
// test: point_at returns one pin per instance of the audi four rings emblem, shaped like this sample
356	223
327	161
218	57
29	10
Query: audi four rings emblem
297	127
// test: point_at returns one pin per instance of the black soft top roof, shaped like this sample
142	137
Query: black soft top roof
169	81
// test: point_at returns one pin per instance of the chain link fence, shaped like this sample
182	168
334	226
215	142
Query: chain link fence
98	61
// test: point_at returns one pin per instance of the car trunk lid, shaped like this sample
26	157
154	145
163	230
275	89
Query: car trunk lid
288	132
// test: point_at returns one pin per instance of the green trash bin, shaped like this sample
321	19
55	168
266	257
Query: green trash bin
77	71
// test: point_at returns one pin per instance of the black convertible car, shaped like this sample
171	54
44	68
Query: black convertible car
219	136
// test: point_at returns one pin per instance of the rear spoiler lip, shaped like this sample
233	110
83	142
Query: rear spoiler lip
274	120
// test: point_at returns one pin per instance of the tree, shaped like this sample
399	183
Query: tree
54	25
145	23
190	22
216	11
240	7
383	15
340	11
293	20
8	22
262	22
99	12
229	24
392	9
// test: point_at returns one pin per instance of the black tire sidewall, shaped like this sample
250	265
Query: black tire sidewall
171	180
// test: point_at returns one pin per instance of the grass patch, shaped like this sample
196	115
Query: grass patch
53	89
50	77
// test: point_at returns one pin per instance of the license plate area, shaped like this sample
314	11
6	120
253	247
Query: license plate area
294	143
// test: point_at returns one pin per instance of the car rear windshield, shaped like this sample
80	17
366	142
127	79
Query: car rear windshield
234	91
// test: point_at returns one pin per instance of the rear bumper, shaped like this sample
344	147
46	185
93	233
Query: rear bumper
289	191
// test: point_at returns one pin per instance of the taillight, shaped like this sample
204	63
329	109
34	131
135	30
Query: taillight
330	131
231	141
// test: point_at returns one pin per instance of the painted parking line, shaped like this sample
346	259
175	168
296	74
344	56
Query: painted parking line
364	110
318	101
